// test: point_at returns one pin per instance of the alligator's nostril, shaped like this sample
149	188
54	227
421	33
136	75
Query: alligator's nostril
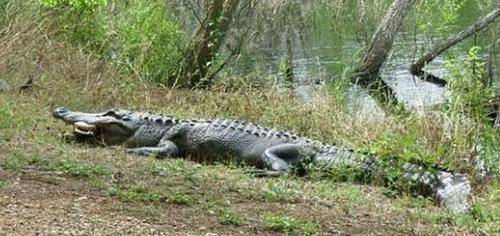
58	112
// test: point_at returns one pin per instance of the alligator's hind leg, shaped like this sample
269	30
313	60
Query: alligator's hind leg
166	148
276	160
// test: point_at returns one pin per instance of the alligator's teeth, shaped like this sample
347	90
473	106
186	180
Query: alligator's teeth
83	128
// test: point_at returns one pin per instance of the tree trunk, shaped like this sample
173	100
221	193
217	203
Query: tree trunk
495	107
205	44
288	41
493	79
367	72
416	68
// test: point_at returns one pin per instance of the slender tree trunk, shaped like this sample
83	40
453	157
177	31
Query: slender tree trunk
367	72
494	78
289	55
288	18
416	68
205	44
495	107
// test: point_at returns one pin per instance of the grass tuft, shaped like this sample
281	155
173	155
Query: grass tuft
184	199
136	193
289	224
231	217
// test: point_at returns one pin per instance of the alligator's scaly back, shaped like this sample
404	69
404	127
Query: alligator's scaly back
272	151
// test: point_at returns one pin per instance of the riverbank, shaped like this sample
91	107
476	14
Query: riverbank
99	189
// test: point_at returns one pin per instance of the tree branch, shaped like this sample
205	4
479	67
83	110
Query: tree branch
416	68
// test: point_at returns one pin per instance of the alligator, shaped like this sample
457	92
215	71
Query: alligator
269	151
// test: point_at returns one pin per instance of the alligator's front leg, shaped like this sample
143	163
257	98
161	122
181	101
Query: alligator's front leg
166	148
276	160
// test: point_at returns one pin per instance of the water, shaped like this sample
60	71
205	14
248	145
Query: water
327	37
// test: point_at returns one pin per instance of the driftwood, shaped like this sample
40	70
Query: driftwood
417	68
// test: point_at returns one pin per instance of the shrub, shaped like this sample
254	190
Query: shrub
81	22
140	38
149	43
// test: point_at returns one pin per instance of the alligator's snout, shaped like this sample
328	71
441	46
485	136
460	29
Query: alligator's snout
60	112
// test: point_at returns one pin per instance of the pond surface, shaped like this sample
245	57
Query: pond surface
322	52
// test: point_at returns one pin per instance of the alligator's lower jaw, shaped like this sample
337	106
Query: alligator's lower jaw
82	128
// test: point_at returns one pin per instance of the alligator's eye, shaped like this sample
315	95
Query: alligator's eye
116	113
126	118
110	113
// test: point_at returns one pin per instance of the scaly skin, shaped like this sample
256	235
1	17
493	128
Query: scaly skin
272	152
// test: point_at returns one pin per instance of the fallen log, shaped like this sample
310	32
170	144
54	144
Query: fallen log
417	68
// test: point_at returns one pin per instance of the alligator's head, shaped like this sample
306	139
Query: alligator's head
112	127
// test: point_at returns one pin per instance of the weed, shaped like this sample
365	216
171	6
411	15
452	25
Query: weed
281	223
80	169
274	190
3	184
310	228
230	217
136	193
280	190
13	162
170	168
182	199
40	162
288	224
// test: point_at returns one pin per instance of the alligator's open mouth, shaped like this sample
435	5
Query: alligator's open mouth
111	127
82	128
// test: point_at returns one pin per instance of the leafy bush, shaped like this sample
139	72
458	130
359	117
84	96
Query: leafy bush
81	22
468	92
150	44
139	38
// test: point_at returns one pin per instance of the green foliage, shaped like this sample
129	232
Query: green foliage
148	42
82	22
78	5
140	39
468	93
440	14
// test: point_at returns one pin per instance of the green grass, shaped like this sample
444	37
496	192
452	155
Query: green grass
289	224
3	184
182	199
76	168
136	193
13	162
231	217
273	190
79	168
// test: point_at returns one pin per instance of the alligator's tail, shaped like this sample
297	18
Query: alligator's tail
451	190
